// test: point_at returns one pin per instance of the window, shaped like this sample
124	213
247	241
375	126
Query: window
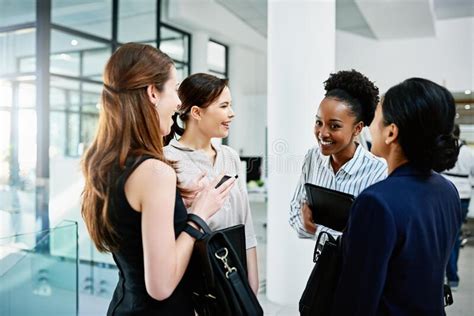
217	59
18	51
175	43
83	35
89	16
17	12
137	15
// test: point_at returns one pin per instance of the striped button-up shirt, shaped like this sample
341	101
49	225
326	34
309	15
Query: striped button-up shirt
361	171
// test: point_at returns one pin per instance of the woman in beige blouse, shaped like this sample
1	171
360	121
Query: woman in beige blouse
206	110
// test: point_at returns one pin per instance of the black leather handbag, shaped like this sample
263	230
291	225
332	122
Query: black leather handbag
318	295
218	272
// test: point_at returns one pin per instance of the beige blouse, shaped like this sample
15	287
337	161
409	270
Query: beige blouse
191	163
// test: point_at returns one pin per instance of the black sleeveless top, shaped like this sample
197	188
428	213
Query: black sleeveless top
130	296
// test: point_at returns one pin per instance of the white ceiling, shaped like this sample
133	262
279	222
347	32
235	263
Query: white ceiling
253	12
350	19
364	17
406	18
398	18
451	9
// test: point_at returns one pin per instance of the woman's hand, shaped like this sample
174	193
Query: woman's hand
210	199
307	216
189	192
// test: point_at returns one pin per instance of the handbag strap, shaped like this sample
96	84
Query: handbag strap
199	222
196	233
329	238
242	293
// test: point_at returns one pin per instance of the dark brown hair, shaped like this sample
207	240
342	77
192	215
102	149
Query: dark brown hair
128	126
196	90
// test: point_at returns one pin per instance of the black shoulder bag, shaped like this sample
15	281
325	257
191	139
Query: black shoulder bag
218	275
318	295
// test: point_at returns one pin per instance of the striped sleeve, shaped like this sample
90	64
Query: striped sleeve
298	198
380	172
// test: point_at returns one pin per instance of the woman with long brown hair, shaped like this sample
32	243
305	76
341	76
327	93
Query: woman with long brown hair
130	203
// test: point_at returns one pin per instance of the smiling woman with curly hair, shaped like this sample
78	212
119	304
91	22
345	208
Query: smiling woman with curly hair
338	162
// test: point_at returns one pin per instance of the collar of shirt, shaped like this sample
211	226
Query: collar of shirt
351	166
176	144
407	169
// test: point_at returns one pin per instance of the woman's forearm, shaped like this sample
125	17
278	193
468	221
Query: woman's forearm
252	269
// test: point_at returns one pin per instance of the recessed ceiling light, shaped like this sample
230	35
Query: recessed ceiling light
467	91
74	42
65	57
25	78
467	106
24	31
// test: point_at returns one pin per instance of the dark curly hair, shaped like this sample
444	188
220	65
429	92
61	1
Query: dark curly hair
355	89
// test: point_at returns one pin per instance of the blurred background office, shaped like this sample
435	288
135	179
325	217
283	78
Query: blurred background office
276	54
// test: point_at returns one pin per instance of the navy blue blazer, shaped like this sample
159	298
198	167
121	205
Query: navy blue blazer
398	240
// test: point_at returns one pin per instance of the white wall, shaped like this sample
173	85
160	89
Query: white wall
199	52
446	58
248	78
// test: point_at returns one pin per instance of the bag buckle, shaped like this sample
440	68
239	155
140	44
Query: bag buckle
448	295
318	247
223	258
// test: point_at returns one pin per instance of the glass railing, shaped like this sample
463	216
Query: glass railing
39	272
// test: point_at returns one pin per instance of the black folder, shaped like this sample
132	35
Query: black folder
330	207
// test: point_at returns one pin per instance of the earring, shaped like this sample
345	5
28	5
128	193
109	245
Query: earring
386	141
156	103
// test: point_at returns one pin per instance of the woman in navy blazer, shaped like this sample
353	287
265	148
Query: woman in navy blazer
402	229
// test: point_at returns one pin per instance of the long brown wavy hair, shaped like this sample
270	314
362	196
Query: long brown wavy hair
128	126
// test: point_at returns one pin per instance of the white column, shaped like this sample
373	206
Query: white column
199	52
248	85
301	55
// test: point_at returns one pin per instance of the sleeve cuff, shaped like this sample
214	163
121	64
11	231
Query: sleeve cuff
321	228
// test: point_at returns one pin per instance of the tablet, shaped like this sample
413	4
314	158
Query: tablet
330	207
